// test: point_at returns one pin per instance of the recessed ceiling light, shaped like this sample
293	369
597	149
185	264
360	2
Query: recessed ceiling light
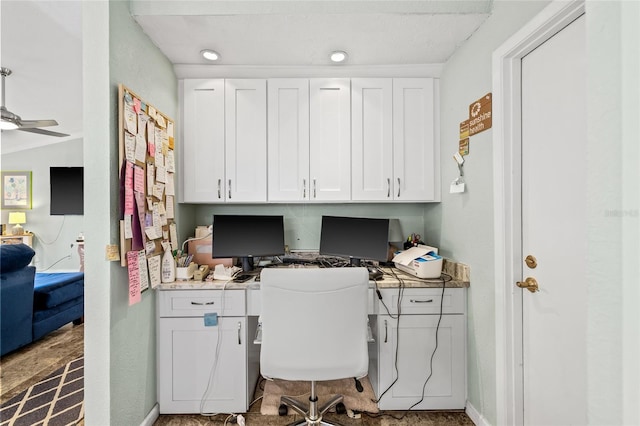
210	55
338	56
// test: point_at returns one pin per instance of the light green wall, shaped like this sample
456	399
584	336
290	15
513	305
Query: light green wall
55	236
120	340
464	222
138	64
303	221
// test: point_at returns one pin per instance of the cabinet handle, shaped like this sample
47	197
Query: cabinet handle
219	189
385	331
420	301
398	187
388	187
314	188
304	189
239	334
229	188
202	303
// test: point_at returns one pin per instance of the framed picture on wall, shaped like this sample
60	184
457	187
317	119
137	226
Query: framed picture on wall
16	190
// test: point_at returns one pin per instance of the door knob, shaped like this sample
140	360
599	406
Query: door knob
529	283
531	261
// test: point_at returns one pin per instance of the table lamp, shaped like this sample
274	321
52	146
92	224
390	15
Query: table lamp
396	237
17	218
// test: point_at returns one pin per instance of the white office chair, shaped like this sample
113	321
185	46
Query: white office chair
314	328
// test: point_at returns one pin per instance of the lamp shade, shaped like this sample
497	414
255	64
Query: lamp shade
17	218
395	231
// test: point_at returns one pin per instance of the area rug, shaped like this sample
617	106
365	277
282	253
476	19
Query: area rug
57	400
353	400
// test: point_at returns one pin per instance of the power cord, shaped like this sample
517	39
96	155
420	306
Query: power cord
444	281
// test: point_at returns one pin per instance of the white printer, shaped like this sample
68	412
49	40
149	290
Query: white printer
420	261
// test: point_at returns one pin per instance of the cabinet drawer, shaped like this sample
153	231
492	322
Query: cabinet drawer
423	301
195	303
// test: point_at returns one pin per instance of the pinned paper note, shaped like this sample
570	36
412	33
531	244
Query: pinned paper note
141	148
133	268
129	146
138	179
130	118
154	263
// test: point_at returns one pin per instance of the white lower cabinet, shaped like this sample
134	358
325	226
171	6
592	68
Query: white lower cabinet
412	339
202	368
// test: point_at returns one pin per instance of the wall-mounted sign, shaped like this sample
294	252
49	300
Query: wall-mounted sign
464	129
480	115
463	146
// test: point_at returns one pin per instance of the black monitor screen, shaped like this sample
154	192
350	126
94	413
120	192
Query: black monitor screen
247	237
354	237
67	188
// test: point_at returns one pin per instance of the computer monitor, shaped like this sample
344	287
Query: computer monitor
247	237
355	237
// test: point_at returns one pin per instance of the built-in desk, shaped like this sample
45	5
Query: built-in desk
197	356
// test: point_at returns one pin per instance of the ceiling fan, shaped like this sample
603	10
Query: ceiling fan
11	121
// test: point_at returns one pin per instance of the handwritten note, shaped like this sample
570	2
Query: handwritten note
128	232
154	263
141	148
151	175
128	189
173	233
143	271
161	174
170	188
130	118
133	267
158	190
169	206
129	146
170	161
138	179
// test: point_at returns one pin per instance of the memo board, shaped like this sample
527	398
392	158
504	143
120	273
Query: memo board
147	184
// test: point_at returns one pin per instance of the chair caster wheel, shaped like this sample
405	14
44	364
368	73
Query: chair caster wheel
340	408
282	410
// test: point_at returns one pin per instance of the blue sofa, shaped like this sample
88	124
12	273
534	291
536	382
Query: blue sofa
34	304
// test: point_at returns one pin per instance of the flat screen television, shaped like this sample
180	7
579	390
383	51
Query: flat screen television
355	238
247	237
67	190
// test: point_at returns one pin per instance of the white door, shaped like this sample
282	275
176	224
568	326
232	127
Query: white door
330	139
414	140
288	140
246	140
203	144
554	229
371	139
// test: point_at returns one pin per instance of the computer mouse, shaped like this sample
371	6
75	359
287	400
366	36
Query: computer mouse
374	272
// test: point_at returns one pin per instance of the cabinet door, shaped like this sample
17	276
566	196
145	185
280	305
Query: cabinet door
187	367
415	340
416	155
288	140
246	140
371	139
330	139
203	141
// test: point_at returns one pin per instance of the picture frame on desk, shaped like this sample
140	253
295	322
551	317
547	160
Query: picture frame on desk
16	189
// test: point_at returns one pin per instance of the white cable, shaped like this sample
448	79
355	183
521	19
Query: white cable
194	239
214	366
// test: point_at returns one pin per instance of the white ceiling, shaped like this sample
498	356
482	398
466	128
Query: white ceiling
42	43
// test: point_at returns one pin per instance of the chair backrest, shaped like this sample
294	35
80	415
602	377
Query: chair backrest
314	323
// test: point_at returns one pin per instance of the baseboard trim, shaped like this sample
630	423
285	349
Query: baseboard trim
152	416
475	416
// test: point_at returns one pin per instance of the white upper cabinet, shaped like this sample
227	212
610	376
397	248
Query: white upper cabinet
415	151
246	140
288	139
372	139
327	140
330	139
203	141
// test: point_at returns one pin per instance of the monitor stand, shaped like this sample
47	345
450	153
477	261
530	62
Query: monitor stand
355	262
247	264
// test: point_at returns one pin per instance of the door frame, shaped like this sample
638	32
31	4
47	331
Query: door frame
507	181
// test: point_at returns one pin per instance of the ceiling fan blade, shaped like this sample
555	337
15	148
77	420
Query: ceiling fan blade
42	132
30	124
